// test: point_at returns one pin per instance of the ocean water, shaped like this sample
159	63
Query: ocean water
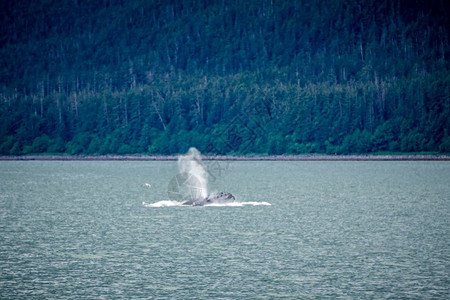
101	229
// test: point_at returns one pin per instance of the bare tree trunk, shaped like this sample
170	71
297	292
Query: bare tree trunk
42	99
157	110
159	115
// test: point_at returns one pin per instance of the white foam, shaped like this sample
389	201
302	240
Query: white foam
256	203
163	203
171	203
231	204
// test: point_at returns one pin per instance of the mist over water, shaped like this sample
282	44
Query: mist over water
191	164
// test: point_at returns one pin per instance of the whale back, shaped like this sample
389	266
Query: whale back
220	198
215	198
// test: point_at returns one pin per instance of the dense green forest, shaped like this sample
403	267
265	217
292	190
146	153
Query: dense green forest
228	77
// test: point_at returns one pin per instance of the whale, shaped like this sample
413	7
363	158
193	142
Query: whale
214	198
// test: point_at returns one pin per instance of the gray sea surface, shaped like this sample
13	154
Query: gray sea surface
90	229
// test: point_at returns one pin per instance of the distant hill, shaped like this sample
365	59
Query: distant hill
228	77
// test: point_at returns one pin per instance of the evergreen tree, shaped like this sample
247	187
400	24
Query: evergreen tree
262	76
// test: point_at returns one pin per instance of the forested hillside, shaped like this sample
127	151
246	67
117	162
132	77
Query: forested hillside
241	76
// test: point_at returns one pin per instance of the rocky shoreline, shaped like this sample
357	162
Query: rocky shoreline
305	157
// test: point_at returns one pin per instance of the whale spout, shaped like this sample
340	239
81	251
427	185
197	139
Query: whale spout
215	198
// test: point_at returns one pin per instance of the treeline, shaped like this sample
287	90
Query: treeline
228	77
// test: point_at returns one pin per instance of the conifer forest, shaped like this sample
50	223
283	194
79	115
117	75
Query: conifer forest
225	76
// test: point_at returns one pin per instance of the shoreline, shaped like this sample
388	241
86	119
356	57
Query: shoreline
304	157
